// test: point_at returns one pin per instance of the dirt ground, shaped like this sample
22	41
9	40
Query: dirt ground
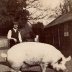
4	67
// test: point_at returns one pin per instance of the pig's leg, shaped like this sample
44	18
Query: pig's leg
16	66
12	70
58	71
24	66
43	67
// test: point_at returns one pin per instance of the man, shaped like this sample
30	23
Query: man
14	35
27	34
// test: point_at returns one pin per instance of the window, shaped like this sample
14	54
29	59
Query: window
66	32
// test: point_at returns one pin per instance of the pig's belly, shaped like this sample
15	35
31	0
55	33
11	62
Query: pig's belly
28	58
34	60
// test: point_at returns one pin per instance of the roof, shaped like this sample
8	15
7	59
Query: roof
60	19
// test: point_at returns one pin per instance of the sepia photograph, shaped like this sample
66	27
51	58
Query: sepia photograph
35	36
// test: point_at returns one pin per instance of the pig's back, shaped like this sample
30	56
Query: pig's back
31	49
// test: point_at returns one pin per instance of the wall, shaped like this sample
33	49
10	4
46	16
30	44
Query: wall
4	43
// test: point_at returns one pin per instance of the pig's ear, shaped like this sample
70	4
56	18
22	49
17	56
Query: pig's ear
68	59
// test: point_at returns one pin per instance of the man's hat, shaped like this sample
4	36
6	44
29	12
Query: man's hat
15	23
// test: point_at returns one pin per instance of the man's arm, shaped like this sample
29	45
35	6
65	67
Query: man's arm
20	38
9	35
36	38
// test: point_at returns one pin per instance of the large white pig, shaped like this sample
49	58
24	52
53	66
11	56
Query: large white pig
31	53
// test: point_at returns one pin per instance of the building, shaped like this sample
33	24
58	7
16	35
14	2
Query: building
59	33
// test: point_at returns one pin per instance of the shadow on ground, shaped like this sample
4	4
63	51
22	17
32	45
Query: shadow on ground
35	68
25	71
5	63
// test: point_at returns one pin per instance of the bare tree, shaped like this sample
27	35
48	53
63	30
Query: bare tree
67	7
31	11
40	13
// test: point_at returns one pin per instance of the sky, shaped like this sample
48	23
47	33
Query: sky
51	5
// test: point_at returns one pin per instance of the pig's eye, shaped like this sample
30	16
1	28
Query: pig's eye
59	61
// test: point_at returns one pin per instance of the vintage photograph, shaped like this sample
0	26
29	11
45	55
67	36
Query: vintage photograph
35	36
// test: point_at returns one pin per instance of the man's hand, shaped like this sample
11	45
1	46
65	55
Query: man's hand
37	38
15	39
